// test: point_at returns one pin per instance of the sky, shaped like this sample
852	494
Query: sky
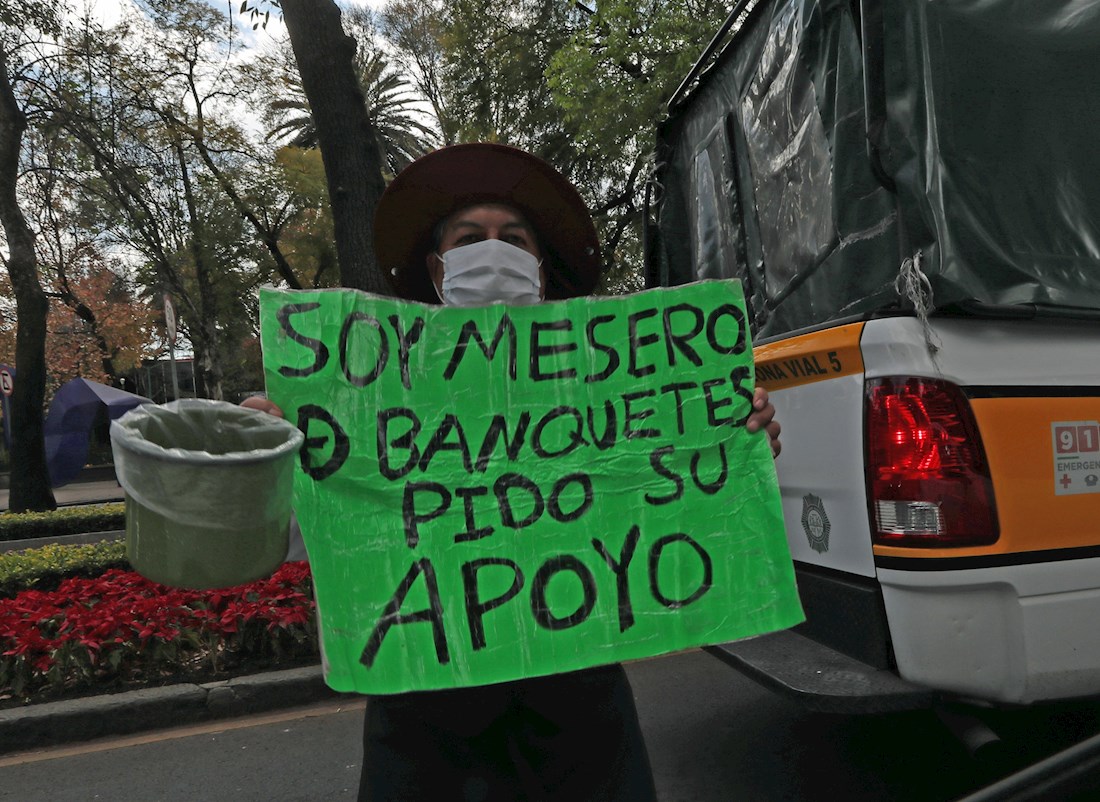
109	11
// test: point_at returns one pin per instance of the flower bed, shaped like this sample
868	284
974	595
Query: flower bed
119	631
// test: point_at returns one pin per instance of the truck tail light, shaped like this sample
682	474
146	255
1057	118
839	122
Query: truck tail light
927	477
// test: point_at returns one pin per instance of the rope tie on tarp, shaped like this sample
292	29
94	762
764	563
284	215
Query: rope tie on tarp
913	285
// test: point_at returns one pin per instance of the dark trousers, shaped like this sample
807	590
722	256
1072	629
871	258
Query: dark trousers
565	737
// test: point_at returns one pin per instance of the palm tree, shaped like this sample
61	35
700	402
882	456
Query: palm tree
399	136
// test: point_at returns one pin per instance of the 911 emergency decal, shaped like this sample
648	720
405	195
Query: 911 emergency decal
815	523
1076	457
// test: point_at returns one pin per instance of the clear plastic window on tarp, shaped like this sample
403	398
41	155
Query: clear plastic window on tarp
788	155
713	243
818	230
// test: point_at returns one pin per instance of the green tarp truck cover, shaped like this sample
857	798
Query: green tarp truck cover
984	115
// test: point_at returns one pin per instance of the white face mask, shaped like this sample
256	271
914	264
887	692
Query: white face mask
489	271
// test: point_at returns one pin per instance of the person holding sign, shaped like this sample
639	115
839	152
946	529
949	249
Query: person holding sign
471	225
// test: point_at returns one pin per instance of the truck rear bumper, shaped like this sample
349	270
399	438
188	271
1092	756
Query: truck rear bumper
1004	633
821	678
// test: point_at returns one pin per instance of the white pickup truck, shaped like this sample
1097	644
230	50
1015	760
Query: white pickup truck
909	191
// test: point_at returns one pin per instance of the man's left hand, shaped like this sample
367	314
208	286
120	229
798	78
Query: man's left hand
763	417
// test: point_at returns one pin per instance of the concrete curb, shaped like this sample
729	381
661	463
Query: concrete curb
61	722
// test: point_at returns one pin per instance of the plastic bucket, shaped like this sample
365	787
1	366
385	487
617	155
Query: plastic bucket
208	489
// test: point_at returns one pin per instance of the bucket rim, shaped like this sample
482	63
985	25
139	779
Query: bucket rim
144	448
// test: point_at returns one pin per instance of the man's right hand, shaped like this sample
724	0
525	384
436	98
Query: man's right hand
262	404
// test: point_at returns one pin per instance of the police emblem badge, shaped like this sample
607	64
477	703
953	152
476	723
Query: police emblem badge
815	523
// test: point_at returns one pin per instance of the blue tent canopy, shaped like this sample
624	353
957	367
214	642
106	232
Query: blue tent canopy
69	424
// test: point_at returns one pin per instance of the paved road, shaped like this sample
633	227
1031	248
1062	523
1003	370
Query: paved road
713	736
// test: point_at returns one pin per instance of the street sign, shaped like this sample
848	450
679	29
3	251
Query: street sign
170	318
170	326
7	387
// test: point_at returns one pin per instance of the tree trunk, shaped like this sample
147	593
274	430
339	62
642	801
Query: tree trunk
209	344
82	311
325	56
30	479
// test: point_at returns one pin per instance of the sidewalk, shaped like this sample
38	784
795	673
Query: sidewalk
100	489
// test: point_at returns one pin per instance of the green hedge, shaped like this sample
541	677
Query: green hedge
65	521
44	568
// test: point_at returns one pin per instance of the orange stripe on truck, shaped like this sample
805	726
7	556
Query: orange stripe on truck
812	357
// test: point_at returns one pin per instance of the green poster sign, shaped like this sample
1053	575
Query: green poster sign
502	492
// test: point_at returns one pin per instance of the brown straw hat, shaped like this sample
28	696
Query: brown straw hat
439	184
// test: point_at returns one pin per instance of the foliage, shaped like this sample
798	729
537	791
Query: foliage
398	136
582	85
8	322
496	54
44	568
325	56
415	27
618	70
120	629
612	81
497	70
308	239
30	14
63	521
30	488
161	166
98	327
103	335
136	146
